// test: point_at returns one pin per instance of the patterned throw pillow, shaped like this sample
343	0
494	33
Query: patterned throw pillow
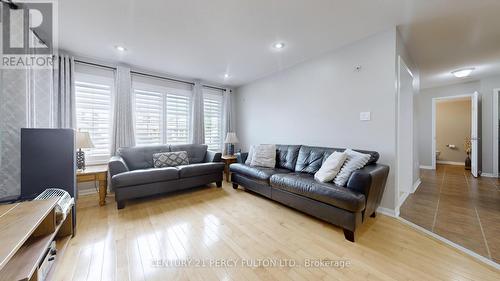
170	159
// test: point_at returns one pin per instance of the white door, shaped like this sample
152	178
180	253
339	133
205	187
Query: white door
476	136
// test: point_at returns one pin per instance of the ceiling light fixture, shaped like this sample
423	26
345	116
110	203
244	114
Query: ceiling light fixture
120	48
279	45
462	73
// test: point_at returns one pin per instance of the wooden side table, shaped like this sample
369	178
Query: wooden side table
228	160
95	173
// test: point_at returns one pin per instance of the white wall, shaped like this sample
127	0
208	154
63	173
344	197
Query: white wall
318	103
485	88
402	51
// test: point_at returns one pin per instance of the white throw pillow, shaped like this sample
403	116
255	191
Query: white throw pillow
250	155
264	156
355	160
331	167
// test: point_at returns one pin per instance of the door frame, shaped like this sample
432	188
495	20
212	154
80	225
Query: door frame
433	137
400	199
496	145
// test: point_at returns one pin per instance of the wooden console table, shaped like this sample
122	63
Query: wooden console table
26	231
93	174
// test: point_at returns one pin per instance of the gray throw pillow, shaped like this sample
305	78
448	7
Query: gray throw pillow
170	159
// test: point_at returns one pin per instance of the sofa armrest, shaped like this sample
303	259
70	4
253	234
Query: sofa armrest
370	181
241	157
117	165
213	156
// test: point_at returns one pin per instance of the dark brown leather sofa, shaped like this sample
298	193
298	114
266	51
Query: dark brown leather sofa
292	183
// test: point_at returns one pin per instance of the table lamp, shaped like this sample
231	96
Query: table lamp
231	139
82	141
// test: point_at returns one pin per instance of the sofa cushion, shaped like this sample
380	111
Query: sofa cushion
264	155
141	157
256	173
196	152
199	169
286	156
311	158
305	185
145	176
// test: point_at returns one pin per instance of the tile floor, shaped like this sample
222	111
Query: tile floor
453	204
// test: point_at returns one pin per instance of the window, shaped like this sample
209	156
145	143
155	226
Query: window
148	117
212	108
161	115
93	95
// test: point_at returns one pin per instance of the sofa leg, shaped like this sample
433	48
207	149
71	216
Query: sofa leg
120	204
373	215
349	235
218	183
235	185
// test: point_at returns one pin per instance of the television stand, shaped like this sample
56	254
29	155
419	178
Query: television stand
27	229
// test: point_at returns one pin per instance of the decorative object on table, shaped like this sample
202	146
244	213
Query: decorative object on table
82	141
468	149
231	139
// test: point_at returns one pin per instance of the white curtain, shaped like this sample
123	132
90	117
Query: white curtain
64	112
197	120
227	117
123	124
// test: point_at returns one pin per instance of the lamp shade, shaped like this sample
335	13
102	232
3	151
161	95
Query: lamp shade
231	138
83	140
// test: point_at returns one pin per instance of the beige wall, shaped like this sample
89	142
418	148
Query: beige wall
453	124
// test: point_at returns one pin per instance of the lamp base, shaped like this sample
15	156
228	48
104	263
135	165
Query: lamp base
230	149
80	160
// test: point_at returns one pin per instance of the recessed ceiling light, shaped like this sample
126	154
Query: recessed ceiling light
120	48
226	75
279	45
462	73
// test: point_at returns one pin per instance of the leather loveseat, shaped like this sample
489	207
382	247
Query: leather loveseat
133	175
292	183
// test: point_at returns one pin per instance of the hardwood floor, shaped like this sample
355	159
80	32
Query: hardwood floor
224	224
461	208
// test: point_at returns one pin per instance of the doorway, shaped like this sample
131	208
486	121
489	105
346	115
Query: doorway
456	127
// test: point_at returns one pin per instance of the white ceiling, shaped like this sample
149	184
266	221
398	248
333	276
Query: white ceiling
205	39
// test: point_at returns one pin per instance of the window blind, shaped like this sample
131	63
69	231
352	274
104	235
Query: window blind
178	111
162	115
212	108
93	115
148	117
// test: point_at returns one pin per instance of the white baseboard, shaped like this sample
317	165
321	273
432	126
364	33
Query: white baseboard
388	212
402	199
451	163
416	185
489	175
454	245
426	167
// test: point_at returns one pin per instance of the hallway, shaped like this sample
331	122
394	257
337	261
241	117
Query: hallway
461	208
